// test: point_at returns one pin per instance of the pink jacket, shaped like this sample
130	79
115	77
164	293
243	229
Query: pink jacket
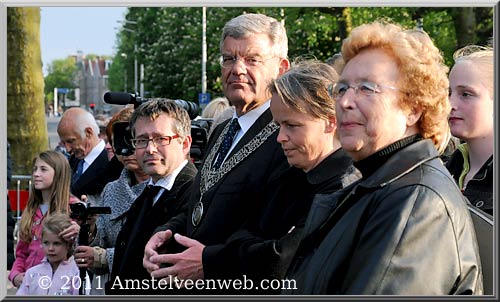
41	280
31	254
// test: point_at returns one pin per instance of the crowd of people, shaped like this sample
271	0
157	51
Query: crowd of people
330	175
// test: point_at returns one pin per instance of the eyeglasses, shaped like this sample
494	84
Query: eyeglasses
140	143
228	61
366	88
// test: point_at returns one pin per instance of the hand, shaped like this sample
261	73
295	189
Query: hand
186	265
18	280
152	248
70	233
84	256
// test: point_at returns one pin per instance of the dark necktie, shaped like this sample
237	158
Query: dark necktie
79	171
151	194
226	142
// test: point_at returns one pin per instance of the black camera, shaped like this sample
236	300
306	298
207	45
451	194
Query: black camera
122	139
122	136
124	98
199	133
82	210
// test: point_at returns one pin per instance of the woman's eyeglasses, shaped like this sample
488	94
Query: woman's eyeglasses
365	88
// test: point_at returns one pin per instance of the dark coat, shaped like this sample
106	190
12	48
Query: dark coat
11	223
404	230
93	180
229	203
479	190
263	249
141	221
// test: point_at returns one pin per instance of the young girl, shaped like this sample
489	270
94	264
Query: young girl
471	120
57	274
49	194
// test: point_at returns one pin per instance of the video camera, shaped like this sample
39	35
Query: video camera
82	210
122	134
122	139
124	98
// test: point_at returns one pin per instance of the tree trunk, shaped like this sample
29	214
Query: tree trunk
465	26
26	125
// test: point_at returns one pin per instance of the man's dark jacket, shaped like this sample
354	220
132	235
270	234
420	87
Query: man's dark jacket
228	204
140	224
94	179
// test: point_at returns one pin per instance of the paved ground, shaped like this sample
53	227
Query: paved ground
11	290
52	131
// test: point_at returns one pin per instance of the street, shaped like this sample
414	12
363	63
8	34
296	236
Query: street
52	122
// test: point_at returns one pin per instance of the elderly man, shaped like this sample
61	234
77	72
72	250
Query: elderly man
243	157
79	132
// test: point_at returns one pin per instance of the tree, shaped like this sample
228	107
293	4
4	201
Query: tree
168	39
60	73
471	31
26	126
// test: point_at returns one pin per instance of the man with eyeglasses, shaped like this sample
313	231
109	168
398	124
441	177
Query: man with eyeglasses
243	158
162	139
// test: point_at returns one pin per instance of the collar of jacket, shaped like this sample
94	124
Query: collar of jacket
333	166
401	163
119	208
483	171
327	208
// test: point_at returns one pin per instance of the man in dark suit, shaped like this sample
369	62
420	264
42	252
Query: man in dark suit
162	140
79	132
243	157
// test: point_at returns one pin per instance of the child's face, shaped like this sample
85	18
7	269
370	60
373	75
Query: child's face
43	175
54	248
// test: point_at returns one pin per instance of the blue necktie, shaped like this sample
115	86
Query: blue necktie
227	142
79	170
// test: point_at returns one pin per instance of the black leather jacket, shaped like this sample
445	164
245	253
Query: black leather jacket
404	230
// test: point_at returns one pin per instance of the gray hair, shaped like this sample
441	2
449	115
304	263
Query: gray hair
249	24
155	107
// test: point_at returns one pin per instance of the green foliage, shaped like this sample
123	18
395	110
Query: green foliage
168	40
439	26
60	73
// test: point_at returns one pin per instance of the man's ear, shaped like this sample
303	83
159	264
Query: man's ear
89	132
284	66
186	143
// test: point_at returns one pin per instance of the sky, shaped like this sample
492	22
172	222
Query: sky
65	30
